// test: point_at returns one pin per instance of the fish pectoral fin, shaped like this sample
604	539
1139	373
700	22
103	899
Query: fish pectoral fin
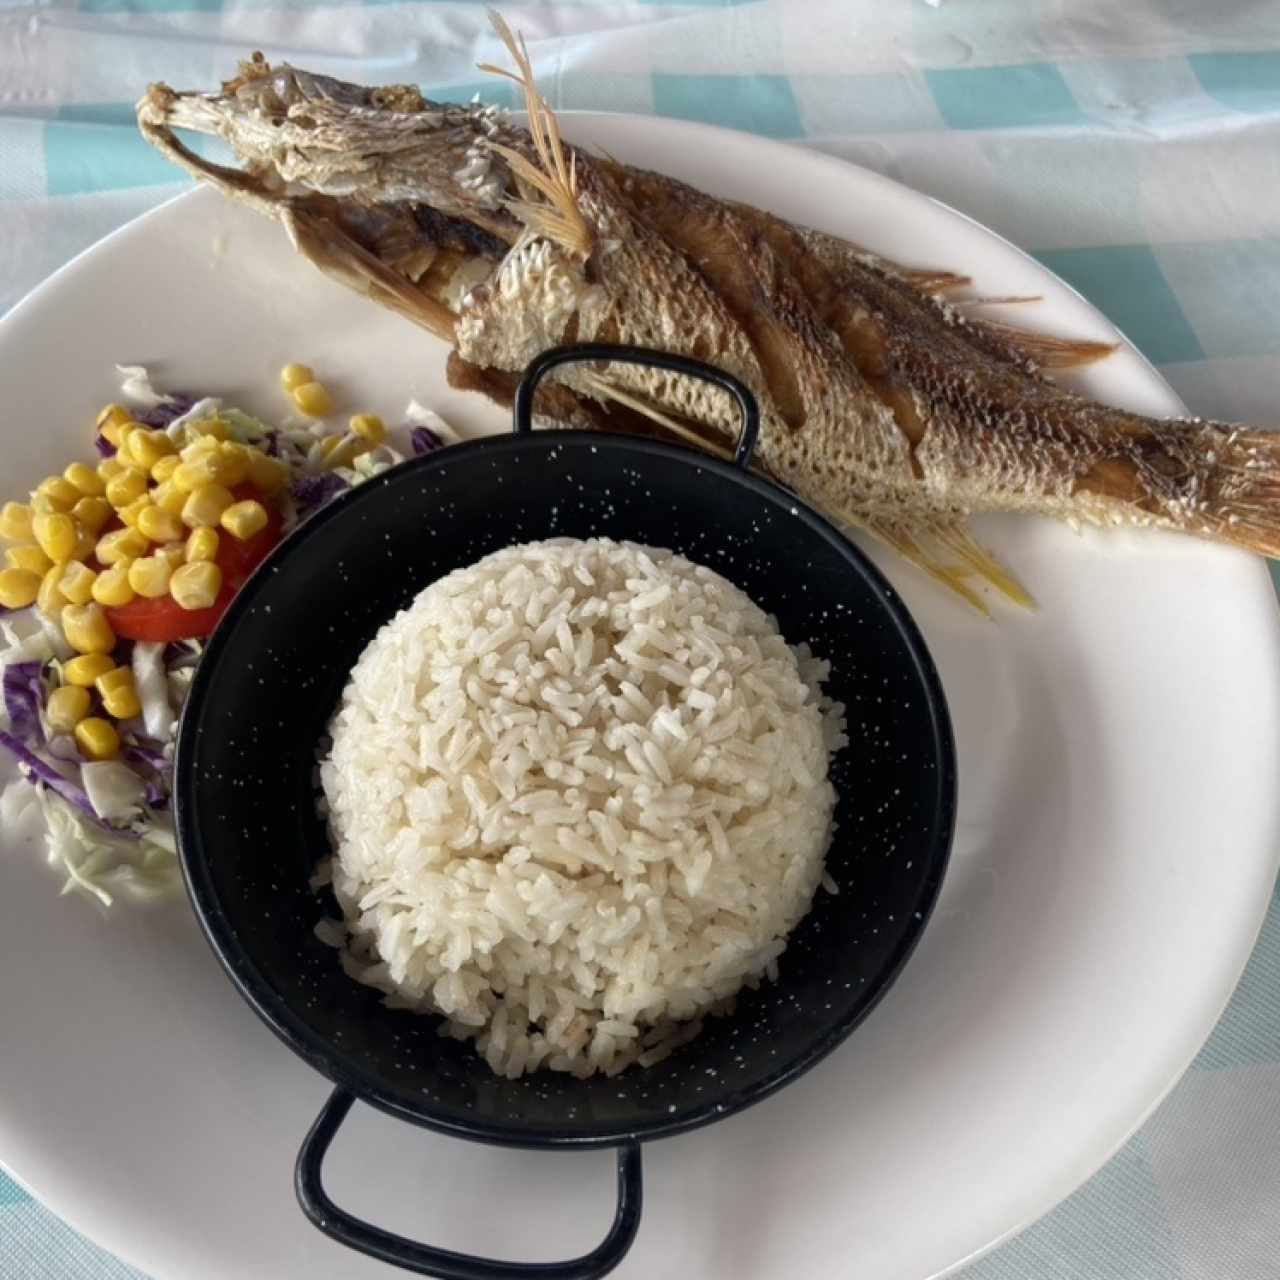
553	178
949	554
605	391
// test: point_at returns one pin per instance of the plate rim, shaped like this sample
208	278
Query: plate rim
1083	1171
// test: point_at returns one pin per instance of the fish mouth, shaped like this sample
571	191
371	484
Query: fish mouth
409	211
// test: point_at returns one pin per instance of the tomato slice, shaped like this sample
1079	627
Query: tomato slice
163	620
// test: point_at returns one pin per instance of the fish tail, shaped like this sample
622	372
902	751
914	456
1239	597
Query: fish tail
1240	500
1204	478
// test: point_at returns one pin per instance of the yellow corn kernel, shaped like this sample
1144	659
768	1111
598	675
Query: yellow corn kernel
123	706
120	544
368	426
97	738
214	429
86	669
113	415
56	533
123	431
84	479
293	376
49	599
199	447
28	557
113	680
341	451
244	519
313	399
158	524
109	468
76	582
92	513
111	587
196	586
86	540
126	487
131	513
18	588
232	464
119	694
168	497
87	629
60	492
267	475
15	522
206	505
66	707
110	432
174	553
196	473
164	467
146	448
202	545
149	576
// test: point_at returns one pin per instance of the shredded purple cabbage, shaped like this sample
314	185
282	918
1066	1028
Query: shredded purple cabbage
40	770
176	403
147	752
147	758
424	440
104	446
177	657
271	443
311	492
24	695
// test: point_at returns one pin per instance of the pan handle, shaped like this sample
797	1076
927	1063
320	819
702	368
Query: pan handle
444	1263
540	365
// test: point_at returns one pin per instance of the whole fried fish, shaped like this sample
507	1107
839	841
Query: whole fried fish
883	405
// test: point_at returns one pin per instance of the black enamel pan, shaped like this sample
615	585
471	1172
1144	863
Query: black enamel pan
250	836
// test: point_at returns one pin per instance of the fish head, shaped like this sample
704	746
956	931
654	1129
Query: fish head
294	128
412	201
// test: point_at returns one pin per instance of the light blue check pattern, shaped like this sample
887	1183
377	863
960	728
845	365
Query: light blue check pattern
1132	150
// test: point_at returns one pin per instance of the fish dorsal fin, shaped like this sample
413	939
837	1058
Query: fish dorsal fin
554	178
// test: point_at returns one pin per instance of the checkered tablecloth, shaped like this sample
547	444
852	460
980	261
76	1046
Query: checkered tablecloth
1133	147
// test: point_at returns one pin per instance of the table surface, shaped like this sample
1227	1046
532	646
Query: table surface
1132	148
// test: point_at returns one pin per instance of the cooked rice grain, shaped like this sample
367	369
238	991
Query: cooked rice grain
578	797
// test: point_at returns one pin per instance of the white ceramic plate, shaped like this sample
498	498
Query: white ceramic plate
1116	847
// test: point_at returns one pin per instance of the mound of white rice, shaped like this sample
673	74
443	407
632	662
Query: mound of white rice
578	797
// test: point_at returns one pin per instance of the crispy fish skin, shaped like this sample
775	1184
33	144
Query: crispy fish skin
882	404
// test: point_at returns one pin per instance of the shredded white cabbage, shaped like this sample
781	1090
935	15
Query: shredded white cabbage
135	385
25	639
153	689
206	408
115	791
418	415
103	865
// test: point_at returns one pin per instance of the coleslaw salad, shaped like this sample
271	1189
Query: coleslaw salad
107	825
